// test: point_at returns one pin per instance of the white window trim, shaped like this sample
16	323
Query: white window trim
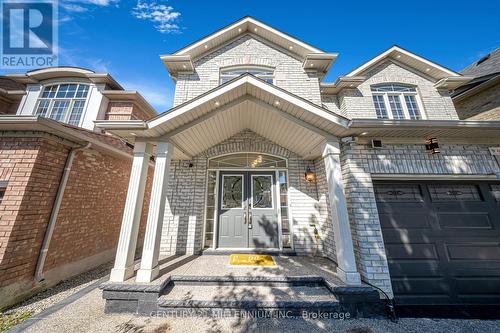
244	67
72	101
400	94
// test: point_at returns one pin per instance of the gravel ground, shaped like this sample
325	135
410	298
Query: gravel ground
86	315
84	312
53	295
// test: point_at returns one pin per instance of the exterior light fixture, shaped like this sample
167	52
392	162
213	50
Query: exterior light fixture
432	146
217	103
309	175
276	102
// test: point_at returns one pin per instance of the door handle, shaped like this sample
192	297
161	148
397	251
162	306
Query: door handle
245	217
250	220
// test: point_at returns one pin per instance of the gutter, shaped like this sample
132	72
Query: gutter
42	256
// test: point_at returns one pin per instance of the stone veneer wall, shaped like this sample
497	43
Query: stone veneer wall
184	216
487	101
89	219
358	103
359	162
248	50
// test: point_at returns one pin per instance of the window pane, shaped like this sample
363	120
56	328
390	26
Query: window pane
285	222
59	109
262	195
396	107
378	101
393	87
265	74
49	92
411	104
247	160
454	193
82	91
42	108
76	112
232	191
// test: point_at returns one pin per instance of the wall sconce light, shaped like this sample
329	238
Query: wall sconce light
432	146
309	175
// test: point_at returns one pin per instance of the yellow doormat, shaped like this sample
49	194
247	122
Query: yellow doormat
251	260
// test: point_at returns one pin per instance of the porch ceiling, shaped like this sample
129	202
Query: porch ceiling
248	113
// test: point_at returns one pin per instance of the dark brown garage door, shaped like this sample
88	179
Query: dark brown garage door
442	241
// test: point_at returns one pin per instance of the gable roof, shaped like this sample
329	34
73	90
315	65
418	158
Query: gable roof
312	57
398	54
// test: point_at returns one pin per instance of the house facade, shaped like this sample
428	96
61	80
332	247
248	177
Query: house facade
374	171
62	182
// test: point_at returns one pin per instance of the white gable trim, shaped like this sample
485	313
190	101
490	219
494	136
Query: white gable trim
242	26
250	80
396	51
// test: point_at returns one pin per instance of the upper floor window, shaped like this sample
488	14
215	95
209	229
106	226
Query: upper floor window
63	102
396	101
264	73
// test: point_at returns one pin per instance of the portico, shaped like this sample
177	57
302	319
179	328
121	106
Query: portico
258	201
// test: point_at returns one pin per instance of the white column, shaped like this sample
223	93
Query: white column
124	262
346	261
149	262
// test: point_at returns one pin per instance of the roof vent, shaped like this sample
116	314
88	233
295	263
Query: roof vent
483	59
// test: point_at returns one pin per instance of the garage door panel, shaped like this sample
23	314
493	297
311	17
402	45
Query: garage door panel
411	251
444	247
480	285
416	220
483	251
415	268
465	220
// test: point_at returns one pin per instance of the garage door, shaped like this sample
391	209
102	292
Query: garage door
442	241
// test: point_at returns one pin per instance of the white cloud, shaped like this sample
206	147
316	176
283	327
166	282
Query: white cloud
163	17
73	8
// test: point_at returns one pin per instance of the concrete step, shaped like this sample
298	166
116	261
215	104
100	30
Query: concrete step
208	296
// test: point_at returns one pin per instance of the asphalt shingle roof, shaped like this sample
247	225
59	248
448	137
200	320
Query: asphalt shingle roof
487	65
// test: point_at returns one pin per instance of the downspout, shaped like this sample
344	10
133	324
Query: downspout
55	211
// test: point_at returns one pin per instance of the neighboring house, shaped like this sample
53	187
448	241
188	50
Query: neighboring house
259	154
62	184
479	99
11	93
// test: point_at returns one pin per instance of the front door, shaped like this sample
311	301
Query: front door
247	210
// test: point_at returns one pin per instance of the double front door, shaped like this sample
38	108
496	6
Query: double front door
247	210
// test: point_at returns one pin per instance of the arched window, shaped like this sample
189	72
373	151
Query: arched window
396	101
247	160
264	73
63	102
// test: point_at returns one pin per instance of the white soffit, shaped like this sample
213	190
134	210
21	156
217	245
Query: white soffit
398	54
341	83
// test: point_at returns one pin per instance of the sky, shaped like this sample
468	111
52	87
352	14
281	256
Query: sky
126	37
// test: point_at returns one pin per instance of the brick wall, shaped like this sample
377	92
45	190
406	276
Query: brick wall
91	211
358	103
486	100
32	167
183	225
125	111
89	220
248	50
359	162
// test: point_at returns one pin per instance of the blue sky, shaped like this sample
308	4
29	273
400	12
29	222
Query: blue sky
126	37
